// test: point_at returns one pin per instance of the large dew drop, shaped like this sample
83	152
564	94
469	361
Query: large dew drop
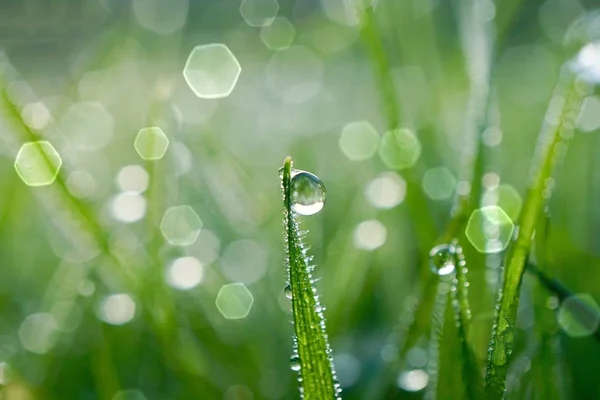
295	363
442	259
308	193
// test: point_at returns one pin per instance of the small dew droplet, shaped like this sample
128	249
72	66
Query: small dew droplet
288	291
308	193
442	259
295	363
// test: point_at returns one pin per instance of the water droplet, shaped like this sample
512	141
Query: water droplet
442	259
308	193
288	291
295	363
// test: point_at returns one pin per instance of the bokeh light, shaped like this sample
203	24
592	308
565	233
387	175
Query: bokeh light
206	248
117	309
399	148
133	178
38	333
234	301
184	273
180	225
386	190
279	34
579	315
211	71
38	163
370	235
152	261
36	115
359	141
587	62
506	197
88	125
589	117
128	207
151	143
81	184
438	183
489	229
413	380
259	13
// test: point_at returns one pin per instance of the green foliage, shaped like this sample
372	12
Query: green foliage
562	113
312	354
148	266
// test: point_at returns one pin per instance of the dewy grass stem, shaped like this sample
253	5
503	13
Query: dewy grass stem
556	130
312	354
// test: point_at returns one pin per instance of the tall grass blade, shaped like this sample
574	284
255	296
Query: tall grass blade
462	316
312	354
557	129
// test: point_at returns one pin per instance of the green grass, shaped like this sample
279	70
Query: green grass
312	357
469	83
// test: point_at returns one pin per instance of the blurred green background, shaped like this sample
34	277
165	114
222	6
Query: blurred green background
98	302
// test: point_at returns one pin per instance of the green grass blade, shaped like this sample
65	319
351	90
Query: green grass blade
462	316
437	329
582	311
548	374
312	354
559	121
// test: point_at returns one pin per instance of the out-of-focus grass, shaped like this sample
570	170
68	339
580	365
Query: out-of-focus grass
68	246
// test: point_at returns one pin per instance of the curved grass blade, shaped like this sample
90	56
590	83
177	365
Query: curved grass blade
312	354
558	126
581	310
549	374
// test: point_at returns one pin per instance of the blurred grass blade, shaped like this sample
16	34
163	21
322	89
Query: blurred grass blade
548	364
462	316
557	128
312	354
437	329
579	309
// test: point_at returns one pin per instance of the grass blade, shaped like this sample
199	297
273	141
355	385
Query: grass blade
462	316
437	330
559	121
312	354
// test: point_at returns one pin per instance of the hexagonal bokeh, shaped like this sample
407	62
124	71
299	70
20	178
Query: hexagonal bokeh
579	315
234	301
151	143
489	229
279	35
399	148
211	71
180	225
506	197
359	140
38	163
438	183
259	12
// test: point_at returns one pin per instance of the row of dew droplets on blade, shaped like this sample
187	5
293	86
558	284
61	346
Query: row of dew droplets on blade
307	195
